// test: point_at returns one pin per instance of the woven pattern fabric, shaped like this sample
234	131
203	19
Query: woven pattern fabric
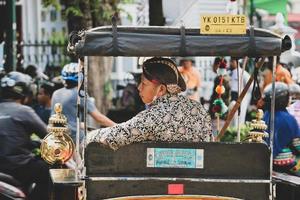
170	118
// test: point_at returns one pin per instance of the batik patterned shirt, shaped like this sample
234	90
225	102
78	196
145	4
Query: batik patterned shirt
170	118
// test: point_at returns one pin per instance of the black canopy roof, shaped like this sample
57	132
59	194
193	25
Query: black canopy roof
172	41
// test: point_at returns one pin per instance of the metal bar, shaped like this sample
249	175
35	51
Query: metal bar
10	49
286	178
241	85
239	110
207	180
272	119
85	107
77	149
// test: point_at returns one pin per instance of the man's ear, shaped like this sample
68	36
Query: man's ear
162	90
25	100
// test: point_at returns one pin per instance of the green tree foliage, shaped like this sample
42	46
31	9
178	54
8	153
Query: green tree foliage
54	3
83	14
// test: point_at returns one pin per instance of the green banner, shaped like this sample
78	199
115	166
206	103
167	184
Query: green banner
272	6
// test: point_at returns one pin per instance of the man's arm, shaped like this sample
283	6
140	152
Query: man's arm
94	112
34	124
102	119
137	129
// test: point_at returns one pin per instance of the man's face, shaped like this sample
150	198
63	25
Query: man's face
233	64
43	97
187	63
216	66
148	90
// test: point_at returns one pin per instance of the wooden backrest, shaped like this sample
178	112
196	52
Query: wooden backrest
221	160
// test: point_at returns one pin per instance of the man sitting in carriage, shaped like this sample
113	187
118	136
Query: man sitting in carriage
170	117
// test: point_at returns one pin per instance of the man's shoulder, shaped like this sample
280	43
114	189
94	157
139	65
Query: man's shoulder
60	90
57	92
191	103
64	92
26	108
20	109
285	115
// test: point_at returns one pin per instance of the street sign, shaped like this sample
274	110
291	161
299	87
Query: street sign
223	24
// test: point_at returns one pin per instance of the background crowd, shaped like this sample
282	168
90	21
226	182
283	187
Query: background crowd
28	97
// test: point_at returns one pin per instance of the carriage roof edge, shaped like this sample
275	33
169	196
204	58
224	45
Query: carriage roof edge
174	41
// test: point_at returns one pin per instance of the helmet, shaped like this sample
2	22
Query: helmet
281	95
16	83
70	72
294	89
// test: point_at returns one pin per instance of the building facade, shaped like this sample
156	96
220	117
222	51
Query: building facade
40	34
44	33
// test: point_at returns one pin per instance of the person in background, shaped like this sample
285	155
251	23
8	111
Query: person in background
37	76
236	75
31	70
170	117
294	108
43	108
58	82
192	78
285	126
35	73
67	97
282	74
17	123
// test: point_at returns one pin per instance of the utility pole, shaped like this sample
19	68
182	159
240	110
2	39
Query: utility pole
10	41
252	10
156	16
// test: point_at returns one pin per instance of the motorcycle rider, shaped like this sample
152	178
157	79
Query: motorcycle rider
67	96
17	123
286	129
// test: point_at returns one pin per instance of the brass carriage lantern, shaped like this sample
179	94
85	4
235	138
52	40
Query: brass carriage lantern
258	127
57	147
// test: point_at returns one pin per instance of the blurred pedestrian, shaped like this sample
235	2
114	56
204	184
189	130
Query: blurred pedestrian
238	80
35	73
192	78
43	107
31	70
67	96
282	74
58	82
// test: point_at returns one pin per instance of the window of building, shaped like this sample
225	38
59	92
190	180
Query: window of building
43	16
64	31
53	15
53	31
127	64
43	31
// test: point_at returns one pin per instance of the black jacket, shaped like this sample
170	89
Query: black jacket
17	123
